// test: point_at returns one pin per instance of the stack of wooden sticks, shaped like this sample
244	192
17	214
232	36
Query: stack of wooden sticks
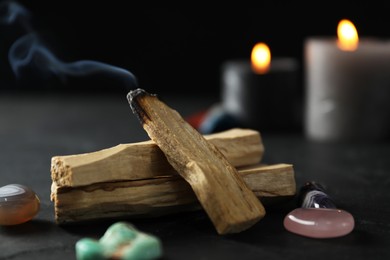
142	180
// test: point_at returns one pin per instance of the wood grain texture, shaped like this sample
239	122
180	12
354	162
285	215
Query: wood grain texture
229	203
145	160
158	196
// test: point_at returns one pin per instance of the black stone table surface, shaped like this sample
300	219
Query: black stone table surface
36	127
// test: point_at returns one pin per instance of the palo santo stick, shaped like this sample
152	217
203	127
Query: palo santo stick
145	160
158	196
229	203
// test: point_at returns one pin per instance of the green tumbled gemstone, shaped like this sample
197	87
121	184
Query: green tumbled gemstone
116	235
121	241
89	249
144	247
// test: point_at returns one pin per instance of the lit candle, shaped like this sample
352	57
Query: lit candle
347	87
262	93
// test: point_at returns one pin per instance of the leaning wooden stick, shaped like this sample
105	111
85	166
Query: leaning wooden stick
145	160
229	203
157	196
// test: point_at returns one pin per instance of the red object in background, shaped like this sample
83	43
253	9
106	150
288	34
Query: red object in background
196	119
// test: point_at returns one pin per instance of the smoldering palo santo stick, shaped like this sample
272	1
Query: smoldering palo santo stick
223	194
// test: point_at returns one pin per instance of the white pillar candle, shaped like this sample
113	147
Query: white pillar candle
347	92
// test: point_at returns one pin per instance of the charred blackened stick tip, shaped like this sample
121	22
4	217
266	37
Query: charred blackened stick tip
132	97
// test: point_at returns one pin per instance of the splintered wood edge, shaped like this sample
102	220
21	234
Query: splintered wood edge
240	146
159	196
169	130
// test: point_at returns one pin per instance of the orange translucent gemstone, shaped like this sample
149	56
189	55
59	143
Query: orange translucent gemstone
18	204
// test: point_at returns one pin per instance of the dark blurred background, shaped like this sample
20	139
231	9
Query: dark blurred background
174	50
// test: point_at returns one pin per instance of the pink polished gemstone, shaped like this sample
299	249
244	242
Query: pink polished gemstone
319	222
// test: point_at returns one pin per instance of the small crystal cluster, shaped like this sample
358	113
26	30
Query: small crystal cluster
18	204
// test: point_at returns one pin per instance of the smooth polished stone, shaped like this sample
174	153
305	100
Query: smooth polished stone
89	249
318	216
120	241
313	195
319	222
18	204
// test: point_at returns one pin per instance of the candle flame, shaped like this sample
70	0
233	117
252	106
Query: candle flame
347	36
261	58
